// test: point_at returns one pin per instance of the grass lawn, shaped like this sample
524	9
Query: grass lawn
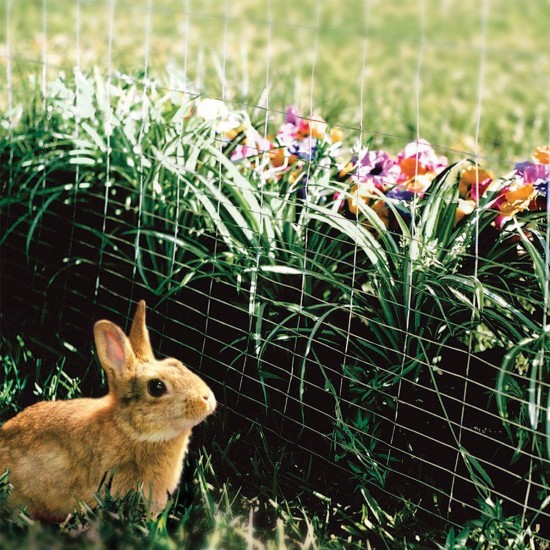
390	68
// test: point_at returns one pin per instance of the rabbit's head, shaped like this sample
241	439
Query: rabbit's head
155	400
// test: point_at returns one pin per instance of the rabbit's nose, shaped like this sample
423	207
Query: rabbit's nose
210	400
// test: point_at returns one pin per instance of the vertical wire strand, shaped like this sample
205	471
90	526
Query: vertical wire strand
108	129
220	179
76	183
9	83
9	74
546	297
363	77
252	310
408	285
304	213
543	367
540	358
186	29
44	81
139	145
475	297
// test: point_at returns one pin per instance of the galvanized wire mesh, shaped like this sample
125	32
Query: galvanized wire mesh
431	432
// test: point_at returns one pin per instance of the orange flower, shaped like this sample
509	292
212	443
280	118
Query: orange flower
232	134
464	208
314	127
295	175
382	210
277	156
345	170
419	183
517	198
471	178
542	154
364	194
361	193
336	135
318	127
411	167
473	183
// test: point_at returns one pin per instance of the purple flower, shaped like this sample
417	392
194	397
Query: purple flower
377	166
304	149
537	174
532	173
400	193
292	116
542	187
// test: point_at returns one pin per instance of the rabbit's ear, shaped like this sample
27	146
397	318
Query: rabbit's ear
139	335
114	350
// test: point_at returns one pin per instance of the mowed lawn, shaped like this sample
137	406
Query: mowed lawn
447	70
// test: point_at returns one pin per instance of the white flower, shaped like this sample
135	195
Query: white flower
211	109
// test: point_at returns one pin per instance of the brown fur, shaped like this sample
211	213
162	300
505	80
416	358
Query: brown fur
58	452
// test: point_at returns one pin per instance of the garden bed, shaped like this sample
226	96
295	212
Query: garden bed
373	325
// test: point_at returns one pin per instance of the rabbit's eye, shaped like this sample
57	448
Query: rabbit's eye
156	387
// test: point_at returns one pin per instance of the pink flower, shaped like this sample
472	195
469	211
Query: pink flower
287	134
253	145
378	167
417	158
292	116
533	173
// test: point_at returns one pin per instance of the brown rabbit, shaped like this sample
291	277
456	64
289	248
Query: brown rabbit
58	452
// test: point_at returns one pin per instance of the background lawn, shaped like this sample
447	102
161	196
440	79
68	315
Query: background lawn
391	68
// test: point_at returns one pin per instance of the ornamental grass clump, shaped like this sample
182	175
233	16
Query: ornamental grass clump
339	286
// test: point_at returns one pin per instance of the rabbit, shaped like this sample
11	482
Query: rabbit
58	452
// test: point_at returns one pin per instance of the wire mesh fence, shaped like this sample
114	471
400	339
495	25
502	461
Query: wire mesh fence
381	319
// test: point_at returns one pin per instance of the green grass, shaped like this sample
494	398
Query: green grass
365	59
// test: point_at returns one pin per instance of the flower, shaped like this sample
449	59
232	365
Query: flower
405	190
212	109
418	157
534	173
537	172
362	193
515	198
278	157
542	187
383	212
253	145
473	182
336	135
314	127
297	127
292	116
542	154
531	172
464	208
400	193
365	194
378	167
286	134
304	149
